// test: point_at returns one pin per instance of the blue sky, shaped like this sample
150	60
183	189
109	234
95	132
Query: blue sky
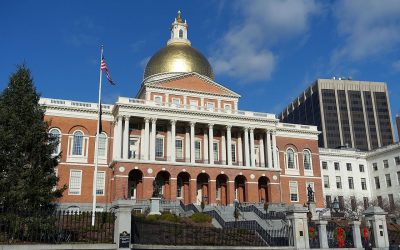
268	51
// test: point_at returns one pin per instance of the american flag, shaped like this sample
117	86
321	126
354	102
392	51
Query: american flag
104	67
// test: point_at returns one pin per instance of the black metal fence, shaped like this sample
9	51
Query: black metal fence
170	233
55	227
313	235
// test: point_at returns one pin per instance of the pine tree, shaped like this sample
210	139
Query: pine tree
27	176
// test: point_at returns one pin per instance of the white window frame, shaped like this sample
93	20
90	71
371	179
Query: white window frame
199	150
103	158
83	157
216	151
340	181
101	182
352	182
158	137
78	190
227	107
194	104
308	172
176	148
155	97
295	170
58	149
134	138
210	106
176	102
234	153
293	184
365	181
326	181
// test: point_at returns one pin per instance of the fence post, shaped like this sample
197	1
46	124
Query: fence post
322	233
122	226
356	233
297	214
377	217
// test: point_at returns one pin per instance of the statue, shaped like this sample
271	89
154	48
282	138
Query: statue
156	189
310	193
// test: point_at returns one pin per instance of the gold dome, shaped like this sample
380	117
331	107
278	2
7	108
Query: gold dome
178	57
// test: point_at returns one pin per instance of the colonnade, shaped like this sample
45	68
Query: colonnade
246	156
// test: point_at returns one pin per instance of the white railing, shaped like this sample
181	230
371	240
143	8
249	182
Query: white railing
68	103
126	100
297	126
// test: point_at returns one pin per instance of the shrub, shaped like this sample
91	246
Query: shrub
201	217
169	217
153	217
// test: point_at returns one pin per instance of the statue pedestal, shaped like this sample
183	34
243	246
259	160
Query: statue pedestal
312	209
155	205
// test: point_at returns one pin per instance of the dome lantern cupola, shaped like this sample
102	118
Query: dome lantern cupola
179	31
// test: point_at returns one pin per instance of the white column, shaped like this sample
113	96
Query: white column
229	143
146	138
223	148
261	149
274	155
172	145
252	149
240	149
246	148
187	144
119	136
210	143
141	156
115	139
269	151
126	138
153	139
205	146
192	131
169	148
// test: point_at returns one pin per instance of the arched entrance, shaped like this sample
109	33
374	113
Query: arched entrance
203	192
222	189
263	189
183	187
163	183
240	188
135	184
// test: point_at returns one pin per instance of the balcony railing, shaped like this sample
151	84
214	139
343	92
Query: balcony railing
68	103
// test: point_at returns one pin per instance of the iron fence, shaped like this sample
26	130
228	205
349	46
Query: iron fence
313	235
52	227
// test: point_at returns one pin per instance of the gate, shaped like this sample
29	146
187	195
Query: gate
313	234
340	234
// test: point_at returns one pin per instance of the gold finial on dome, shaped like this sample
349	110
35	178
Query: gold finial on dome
178	17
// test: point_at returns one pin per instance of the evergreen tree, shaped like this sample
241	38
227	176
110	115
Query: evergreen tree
27	176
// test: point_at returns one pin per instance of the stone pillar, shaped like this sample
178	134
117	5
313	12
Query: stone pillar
322	233
123	218
172	145
223	148
153	139
252	149
155	205
240	149
119	136
269	150
146	138
377	218
246	148
356	233
115	140
126	138
229	144
275	156
297	214
205	146
192	131
187	144
261	149
211	143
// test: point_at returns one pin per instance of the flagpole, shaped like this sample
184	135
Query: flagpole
96	160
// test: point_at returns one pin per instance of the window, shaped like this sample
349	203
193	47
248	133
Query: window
102	145
338	182
233	152
307	160
363	184
353	202
377	183
176	102
180	33
100	182
75	181
337	166
158	99
216	151
397	160
398	177
391	201
361	167
375	166
77	146
290	158
324	165
328	201
349	167
366	202
380	201
133	148
55	136
210	106
293	191
197	150
351	183
179	187
388	180
227	107
159	147
326	181
179	148
341	202
194	104
386	163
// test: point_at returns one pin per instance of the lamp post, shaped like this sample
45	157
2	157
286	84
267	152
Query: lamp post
335	205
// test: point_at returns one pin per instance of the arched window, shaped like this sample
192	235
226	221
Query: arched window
180	33
179	187
102	145
290	158
77	146
55	136
307	159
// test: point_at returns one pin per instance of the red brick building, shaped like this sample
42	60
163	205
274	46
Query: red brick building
184	131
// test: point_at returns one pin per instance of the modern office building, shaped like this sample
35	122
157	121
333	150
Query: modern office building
352	113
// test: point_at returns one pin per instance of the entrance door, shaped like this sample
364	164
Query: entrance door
133	148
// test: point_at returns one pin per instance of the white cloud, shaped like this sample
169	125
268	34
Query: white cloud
369	28
244	52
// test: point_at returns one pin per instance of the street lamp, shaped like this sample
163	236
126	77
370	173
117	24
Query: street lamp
335	205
